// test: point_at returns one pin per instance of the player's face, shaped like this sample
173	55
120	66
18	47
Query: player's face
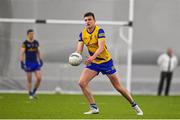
89	22
31	35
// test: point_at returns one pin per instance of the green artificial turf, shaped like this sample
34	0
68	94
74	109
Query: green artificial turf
58	106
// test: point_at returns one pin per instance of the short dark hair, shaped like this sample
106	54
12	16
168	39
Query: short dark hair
29	30
89	14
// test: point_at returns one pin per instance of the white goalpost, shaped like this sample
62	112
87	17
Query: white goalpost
129	42
127	39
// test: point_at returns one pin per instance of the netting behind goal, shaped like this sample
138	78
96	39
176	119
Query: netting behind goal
58	41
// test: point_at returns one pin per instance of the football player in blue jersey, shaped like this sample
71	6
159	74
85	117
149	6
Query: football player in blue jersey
31	62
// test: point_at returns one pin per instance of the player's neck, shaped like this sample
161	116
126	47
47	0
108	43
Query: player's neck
30	40
90	30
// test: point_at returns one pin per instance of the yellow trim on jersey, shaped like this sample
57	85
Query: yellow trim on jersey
23	45
91	42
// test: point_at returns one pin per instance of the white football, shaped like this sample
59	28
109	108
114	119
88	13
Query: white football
75	59
58	90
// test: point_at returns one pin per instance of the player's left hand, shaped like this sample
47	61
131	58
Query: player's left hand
89	60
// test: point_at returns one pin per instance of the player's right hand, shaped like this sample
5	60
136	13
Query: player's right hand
22	65
41	62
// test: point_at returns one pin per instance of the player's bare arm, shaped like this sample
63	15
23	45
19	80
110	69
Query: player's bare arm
39	54
80	46
101	45
40	57
21	56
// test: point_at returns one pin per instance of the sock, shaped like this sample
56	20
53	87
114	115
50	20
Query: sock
30	93
34	91
133	104
93	105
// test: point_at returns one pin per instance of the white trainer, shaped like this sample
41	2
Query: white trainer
31	97
138	110
92	111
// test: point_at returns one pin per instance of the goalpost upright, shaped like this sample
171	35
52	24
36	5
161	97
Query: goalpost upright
130	42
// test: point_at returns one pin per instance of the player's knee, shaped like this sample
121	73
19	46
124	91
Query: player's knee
29	80
82	84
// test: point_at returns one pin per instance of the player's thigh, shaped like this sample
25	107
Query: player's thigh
87	75
38	74
114	79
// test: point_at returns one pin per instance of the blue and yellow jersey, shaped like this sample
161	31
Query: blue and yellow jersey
91	42
31	50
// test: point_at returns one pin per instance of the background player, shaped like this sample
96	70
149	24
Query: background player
31	61
98	61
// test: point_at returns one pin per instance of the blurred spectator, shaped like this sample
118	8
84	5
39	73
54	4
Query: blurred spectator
167	62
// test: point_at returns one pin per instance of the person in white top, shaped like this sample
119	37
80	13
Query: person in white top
167	62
